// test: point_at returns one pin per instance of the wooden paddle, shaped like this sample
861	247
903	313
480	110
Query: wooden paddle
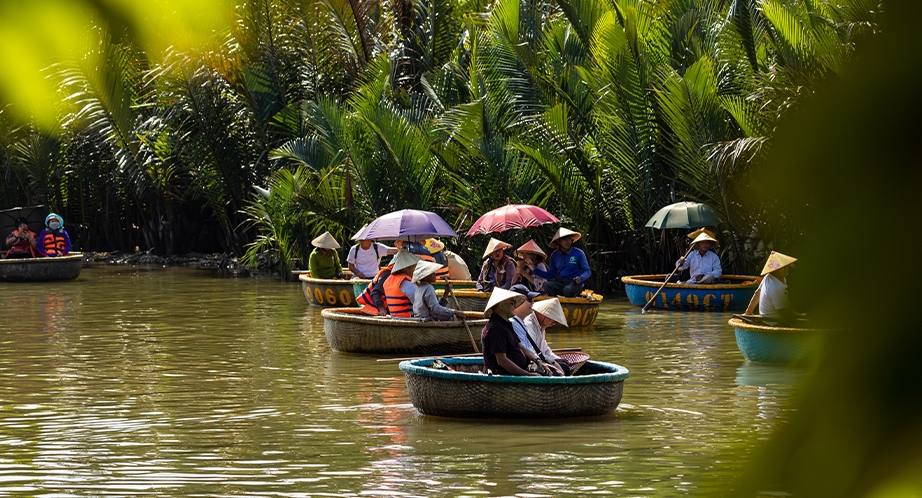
561	350
644	309
463	319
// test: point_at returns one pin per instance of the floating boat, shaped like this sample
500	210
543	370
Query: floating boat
717	297
350	330
41	269
579	311
331	291
771	344
595	390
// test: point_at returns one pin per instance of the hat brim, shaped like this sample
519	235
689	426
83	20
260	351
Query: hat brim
576	236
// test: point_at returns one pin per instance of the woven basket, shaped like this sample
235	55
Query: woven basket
778	345
575	360
459	394
350	330
41	269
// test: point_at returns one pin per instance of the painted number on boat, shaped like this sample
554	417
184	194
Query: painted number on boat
709	302
579	317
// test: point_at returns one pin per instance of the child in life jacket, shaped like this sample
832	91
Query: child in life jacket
53	241
21	242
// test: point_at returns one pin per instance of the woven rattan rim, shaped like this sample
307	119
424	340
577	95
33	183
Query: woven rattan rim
355	315
614	373
651	281
595	299
74	256
332	281
740	324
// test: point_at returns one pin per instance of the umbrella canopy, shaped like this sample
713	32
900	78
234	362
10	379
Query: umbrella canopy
407	224
685	215
35	215
509	217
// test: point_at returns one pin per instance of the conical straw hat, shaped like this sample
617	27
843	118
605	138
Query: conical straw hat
561	233
403	259
699	232
703	237
325	241
434	245
775	261
357	234
424	269
499	295
494	245
532	247
552	309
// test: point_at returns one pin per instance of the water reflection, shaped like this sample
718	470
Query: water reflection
173	382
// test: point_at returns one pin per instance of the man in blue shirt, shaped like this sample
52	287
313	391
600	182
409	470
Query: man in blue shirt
568	268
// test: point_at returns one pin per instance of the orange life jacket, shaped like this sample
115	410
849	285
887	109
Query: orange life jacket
21	246
398	304
53	243
441	272
365	300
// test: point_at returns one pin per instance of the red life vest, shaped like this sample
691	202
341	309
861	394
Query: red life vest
365	300
398	304
53	243
21	246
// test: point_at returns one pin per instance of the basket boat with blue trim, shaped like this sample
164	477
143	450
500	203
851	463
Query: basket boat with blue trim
730	296
41	269
595	390
764	343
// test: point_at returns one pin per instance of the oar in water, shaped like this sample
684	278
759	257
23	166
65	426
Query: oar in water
463	319
644	309
561	350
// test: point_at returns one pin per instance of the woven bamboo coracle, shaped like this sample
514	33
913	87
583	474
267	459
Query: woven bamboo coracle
350	330
683	297
596	391
330	291
778	345
41	269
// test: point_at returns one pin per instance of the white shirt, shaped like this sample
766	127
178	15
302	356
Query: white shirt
773	297
702	265
521	331
365	260
537	334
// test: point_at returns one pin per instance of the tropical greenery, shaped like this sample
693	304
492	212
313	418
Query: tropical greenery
314	115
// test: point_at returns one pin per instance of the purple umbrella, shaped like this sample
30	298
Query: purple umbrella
407	224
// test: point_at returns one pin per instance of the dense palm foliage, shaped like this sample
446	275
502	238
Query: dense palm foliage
601	111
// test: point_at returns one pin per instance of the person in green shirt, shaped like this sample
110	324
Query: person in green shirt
324	260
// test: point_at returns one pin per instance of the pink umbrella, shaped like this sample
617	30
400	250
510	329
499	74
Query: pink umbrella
510	217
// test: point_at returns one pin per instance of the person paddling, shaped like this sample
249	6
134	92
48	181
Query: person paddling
703	263
772	294
426	305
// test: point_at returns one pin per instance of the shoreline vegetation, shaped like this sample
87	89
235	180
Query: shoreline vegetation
305	117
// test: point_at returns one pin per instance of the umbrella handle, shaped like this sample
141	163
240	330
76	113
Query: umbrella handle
644	309
463	319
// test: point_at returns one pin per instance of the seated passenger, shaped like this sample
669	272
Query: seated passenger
530	252
324	260
364	258
457	268
53	240
568	267
703	263
372	299
399	291
546	313
501	352
772	294
20	243
498	269
529	348
426	304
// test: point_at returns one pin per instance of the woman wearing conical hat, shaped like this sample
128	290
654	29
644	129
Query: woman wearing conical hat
546	313
426	304
324	259
568	267
502	354
529	252
498	269
703	265
772	294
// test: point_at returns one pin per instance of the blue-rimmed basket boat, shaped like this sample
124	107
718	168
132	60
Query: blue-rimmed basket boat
731	296
41	269
349	330
579	311
595	390
779	345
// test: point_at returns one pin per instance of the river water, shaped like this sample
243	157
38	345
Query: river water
178	382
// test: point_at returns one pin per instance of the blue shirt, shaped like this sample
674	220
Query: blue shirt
567	266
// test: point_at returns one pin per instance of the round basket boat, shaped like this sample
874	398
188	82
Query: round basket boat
780	345
718	297
41	269
579	311
595	390
330	291
351	331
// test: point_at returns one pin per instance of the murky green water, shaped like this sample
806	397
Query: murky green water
175	382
